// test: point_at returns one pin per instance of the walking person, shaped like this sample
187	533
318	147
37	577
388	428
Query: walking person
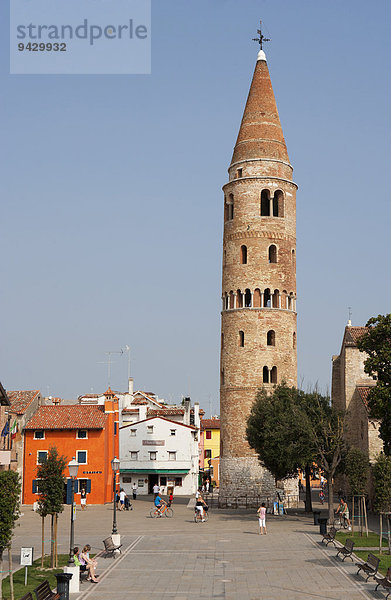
261	512
156	489
134	490
122	496
83	498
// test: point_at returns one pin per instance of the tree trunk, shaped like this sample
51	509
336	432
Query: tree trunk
308	499
11	575
55	541
43	542
330	488
1	574
52	542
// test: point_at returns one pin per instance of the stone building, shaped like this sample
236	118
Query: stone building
258	325
349	391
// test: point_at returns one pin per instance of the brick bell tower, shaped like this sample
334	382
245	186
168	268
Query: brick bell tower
258	319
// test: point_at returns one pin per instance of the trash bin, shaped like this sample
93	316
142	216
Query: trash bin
63	585
316	514
322	526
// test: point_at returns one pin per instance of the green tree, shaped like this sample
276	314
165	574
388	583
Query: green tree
291	429
274	431
382	483
51	493
9	512
357	469
376	342
325	427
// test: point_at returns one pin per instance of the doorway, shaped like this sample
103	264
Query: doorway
152	480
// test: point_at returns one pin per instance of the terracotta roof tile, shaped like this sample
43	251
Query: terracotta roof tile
68	417
353	334
21	400
210	423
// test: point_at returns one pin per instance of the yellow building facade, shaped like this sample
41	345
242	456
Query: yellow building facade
210	431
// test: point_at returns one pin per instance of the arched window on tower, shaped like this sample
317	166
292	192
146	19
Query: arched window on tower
278	204
294	339
265	203
266	298
230	207
272	254
247	298
271	338
293	257
273	375
243	255
257	298
222	340
265	375
284	299
239	299
231	299
241	339
276	299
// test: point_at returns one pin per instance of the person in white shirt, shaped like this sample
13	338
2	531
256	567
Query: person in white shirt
122	497
156	489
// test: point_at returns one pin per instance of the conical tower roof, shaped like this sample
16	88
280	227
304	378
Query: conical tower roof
260	134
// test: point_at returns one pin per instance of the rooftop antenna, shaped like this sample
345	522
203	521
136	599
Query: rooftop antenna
261	39
109	362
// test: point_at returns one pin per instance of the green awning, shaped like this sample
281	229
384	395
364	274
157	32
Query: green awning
156	471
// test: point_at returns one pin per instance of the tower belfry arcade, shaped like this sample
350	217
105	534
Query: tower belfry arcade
258	318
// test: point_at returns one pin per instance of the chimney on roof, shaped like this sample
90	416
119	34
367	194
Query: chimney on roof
349	323
186	416
197	414
130	386
142	412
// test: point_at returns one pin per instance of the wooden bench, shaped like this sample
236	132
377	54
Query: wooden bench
330	536
385	582
347	550
27	596
110	548
43	592
370	567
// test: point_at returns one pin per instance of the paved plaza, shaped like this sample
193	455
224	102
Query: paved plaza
225	558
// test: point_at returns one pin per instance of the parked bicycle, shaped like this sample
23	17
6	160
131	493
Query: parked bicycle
163	511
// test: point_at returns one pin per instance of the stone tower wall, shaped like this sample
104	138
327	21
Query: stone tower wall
253	271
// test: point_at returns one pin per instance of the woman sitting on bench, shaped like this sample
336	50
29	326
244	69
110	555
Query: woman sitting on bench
88	563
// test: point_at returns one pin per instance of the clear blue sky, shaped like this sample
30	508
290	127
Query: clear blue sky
111	217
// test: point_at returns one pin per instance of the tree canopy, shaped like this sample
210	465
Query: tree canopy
376	342
290	429
9	506
51	486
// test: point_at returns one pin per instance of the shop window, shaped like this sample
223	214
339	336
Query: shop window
178	481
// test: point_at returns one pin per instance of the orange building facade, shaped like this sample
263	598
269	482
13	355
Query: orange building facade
88	433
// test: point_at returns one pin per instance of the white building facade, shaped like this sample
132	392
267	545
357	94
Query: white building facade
161	451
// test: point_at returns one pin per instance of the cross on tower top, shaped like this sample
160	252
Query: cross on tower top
261	37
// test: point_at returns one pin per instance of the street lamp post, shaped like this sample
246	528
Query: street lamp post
115	467
73	467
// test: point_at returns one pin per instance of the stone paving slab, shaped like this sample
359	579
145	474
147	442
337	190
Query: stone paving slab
226	558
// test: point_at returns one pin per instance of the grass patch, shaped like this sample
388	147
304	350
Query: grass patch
361	541
35	576
385	559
